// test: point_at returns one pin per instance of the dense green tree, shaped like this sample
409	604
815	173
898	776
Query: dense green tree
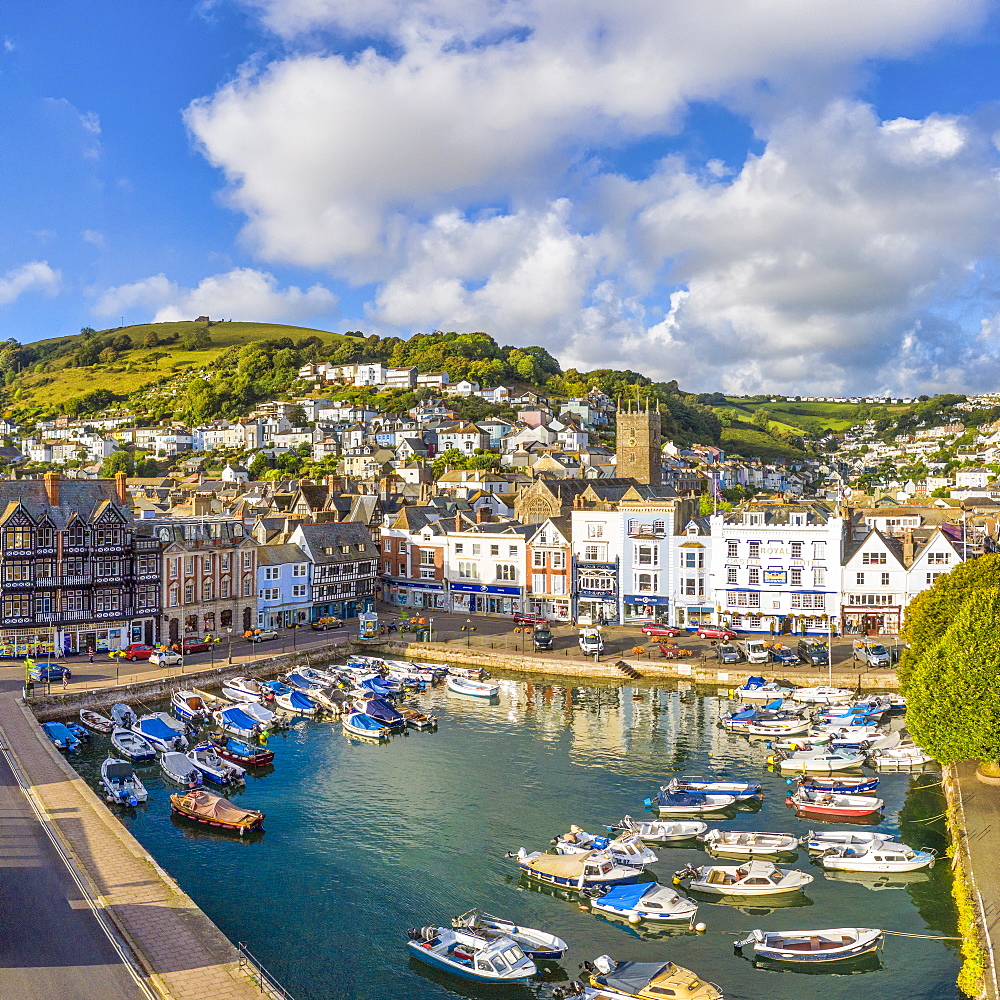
118	461
196	338
258	467
150	339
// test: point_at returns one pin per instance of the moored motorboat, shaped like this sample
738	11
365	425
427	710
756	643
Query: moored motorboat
264	716
816	841
274	689
245	689
899	758
189	707
122	715
834	804
418	720
538	945
364	727
751	880
830	944
297	702
777	728
212	810
743	790
668	803
163	732
748	843
845	785
464	954
757	689
626	849
647	980
474	689
133	746
381	711
236	721
207	760
80	732
244	754
661	831
121	784
818	761
575	871
645	901
887	856
97	722
822	695
61	736
179	769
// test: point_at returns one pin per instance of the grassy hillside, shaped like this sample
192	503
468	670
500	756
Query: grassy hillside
141	367
749	442
813	418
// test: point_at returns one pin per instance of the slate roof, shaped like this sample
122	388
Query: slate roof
85	497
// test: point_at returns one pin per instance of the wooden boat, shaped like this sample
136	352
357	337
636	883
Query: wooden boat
121	784
818	761
846	786
748	844
469	956
471	688
245	689
471	673
648	980
61	736
538	945
242	753
163	732
180	770
887	856
743	790
365	727
627	849
815	842
669	803
757	689
417	719
834	804
661	831
832	944
751	880
97	722
133	746
646	901
207	760
213	810
575	871
189	707
213	701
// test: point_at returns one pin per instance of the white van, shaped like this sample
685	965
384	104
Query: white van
754	650
591	641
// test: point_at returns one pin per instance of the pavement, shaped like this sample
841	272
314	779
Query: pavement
184	955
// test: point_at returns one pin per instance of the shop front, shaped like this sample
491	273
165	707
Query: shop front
881	620
413	594
693	615
476	598
553	608
596	586
646	608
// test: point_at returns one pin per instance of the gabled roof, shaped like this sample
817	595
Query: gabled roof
280	555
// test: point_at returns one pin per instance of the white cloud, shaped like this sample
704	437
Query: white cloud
242	293
94	237
82	126
35	276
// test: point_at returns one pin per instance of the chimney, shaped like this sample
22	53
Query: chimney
907	548
483	515
458	522
121	484
52	488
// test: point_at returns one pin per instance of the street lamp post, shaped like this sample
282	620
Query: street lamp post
229	636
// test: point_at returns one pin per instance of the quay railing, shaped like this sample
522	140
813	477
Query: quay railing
263	979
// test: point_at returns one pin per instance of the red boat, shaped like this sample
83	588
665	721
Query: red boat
244	754
833	804
214	810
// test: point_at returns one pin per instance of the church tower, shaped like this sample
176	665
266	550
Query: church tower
638	444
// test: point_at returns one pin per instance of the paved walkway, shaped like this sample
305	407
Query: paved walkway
980	819
182	951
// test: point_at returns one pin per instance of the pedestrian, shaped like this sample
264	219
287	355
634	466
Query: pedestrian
65	679
90	653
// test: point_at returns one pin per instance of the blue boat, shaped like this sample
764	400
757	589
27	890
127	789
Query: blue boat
302	683
82	734
61	736
743	790
163	732
234	720
378	687
668	802
276	688
381	711
365	727
852	785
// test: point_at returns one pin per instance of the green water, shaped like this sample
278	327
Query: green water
365	841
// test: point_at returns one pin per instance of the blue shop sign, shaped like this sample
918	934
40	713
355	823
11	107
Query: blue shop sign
413	585
646	599
476	588
597	594
775	577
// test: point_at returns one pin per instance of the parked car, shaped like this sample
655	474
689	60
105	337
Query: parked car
264	635
715	632
165	658
192	644
50	672
669	630
523	619
784	655
873	654
138	651
814	652
591	641
541	636
322	624
727	653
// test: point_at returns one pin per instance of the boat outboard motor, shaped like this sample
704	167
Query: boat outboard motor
605	964
422	933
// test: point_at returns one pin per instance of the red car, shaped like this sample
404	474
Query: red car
669	630
138	651
193	645
523	619
715	632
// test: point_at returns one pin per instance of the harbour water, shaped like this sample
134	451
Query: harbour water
363	842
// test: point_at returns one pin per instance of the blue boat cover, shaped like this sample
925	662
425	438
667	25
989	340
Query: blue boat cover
238	718
625	897
754	682
361	721
158	728
303	681
276	686
57	731
743	713
776	704
299	700
382	711
374	684
238	746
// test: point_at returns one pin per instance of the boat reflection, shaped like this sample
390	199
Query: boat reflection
656	931
758	907
876	882
485	991
872	962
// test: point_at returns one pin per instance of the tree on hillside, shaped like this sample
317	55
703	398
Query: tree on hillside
150	339
762	418
117	461
196	339
258	467
953	689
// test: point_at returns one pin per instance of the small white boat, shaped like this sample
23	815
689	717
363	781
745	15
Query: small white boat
123	715
662	831
627	849
753	879
484	960
668	803
834	804
133	746
816	841
213	767
536	944
121	783
365	727
179	769
776	728
748	843
236	721
575	871
831	944
820	695
853	737
820	761
297	702
743	790
756	689
97	722
474	689
899	758
646	901
887	856
189	707
259	713
244	689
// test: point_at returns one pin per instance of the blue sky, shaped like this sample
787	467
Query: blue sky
779	195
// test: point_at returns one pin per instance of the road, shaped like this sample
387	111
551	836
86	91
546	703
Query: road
52	946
